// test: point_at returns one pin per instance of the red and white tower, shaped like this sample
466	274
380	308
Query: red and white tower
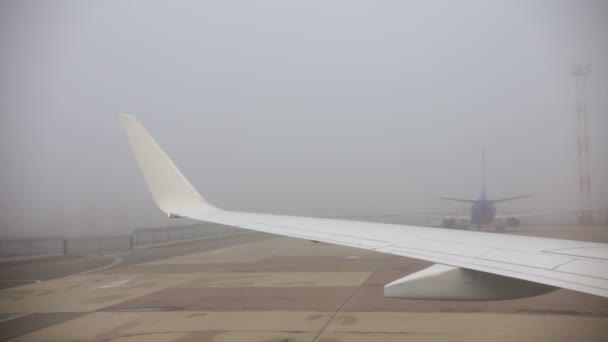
581	72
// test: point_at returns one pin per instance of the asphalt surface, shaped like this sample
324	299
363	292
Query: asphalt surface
259	287
20	272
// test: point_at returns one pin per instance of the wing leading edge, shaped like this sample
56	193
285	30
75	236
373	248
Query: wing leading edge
529	261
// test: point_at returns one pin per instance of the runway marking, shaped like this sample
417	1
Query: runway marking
111	285
275	250
113	255
14	317
117	261
20	280
218	251
73	260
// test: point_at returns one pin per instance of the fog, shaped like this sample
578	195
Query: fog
310	108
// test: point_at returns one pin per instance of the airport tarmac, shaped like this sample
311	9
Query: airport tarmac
258	287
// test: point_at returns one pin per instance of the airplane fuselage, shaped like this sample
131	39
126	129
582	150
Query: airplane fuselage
482	212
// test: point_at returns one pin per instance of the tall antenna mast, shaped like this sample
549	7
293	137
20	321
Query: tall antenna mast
581	73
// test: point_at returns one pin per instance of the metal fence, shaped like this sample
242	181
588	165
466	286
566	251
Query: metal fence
160	235
139	237
29	247
98	244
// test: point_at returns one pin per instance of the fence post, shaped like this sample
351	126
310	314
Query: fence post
29	247
131	242
65	246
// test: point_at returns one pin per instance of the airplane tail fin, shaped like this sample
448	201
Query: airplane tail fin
171	191
483	183
483	173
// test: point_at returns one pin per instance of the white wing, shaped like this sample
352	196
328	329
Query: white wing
472	265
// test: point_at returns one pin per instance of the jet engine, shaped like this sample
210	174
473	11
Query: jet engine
512	222
448	223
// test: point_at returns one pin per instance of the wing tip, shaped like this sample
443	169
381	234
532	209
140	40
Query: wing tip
126	117
170	189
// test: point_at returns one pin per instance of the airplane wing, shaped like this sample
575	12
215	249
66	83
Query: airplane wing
457	199
369	217
499	200
541	213
456	220
469	265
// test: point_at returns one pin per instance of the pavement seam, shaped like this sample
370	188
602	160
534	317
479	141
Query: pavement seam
322	330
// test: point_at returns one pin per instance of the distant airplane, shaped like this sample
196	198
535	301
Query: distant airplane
481	212
483	209
467	265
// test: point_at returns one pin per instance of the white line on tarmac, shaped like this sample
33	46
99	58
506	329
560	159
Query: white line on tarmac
218	251
13	317
114	284
20	280
116	262
110	285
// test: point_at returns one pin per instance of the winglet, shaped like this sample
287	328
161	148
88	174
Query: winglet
171	191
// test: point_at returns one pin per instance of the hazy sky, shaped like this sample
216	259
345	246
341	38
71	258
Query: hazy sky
309	107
